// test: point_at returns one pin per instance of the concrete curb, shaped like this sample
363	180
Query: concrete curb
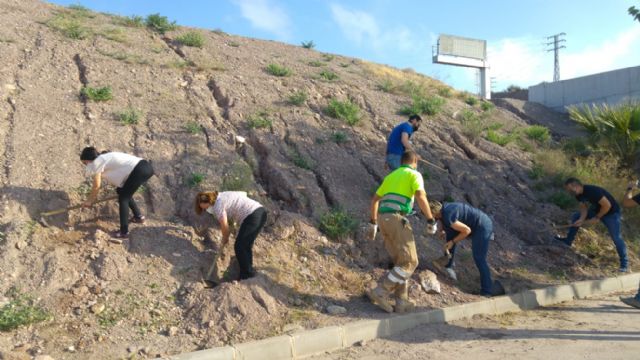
303	344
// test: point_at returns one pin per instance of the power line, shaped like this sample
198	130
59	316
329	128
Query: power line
556	53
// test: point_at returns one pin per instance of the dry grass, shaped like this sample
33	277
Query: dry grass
406	82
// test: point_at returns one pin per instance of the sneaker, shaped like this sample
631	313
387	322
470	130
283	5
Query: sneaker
137	220
404	305
623	269
631	301
378	298
120	235
561	240
451	273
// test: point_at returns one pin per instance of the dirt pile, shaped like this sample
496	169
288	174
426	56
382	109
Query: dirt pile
143	297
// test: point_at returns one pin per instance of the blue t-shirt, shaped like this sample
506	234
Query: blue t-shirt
466	214
593	194
394	145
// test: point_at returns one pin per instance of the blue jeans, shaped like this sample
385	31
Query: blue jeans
480	237
612	222
393	161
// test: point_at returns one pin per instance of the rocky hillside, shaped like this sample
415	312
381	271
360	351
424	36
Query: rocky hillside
183	107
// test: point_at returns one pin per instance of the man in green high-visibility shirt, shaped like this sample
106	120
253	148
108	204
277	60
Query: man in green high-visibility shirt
392	201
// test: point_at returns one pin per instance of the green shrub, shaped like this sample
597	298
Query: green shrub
487	106
96	94
498	138
562	199
344	110
278	70
195	179
471	100
69	27
339	137
130	21
160	24
387	86
21	310
301	161
233	44
193	127
445	92
337	224
537	172
576	146
259	120
538	133
191	38
472	125
616	128
327	57
344	65
130	116
308	44
219	31
328	75
316	63
423	105
495	126
238	178
297	98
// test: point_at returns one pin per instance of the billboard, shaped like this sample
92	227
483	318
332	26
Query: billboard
464	47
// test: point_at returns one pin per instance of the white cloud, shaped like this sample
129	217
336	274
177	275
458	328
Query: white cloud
523	61
265	16
362	28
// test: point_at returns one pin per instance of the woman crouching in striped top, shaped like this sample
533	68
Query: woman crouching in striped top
237	207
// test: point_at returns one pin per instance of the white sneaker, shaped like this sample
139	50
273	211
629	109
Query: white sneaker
451	273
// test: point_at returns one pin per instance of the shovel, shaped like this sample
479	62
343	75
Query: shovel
44	215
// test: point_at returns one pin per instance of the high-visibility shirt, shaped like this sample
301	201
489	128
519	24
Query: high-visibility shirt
397	190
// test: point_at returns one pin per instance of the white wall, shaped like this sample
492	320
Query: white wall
610	87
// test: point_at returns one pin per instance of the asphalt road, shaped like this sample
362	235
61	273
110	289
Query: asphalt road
597	328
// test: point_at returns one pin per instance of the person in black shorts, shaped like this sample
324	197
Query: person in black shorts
596	204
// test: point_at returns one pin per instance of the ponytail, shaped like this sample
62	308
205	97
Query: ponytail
207	197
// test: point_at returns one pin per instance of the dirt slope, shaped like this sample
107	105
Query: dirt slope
144	296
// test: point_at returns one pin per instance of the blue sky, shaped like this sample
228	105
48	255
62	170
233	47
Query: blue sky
600	36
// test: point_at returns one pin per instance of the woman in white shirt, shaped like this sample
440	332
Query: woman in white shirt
126	172
235	206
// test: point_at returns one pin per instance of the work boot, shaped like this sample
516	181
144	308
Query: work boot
631	301
380	297
404	305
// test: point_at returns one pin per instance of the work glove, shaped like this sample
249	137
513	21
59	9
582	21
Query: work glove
432	227
372	231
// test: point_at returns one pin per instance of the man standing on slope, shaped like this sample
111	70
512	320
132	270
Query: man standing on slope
399	142
603	208
630	201
393	200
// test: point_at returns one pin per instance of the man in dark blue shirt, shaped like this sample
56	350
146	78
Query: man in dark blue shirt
630	201
602	207
399	142
460	221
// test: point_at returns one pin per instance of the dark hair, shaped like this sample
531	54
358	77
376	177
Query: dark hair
572	181
408	157
415	117
90	153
